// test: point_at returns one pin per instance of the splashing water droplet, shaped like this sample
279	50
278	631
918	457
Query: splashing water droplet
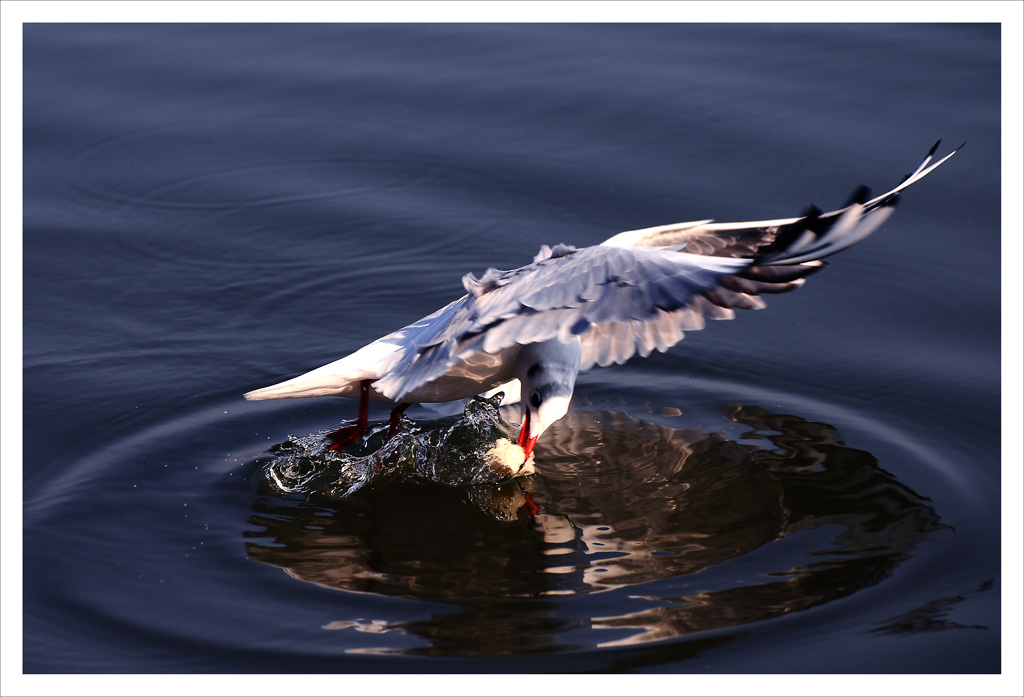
479	449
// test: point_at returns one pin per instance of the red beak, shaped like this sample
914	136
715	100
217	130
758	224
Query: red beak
525	442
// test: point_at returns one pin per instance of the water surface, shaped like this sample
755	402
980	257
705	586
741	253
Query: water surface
209	209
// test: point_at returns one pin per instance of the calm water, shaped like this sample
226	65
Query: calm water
209	209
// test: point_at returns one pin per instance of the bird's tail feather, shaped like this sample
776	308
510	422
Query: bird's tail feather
337	379
299	387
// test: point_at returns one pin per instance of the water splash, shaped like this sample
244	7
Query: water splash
477	450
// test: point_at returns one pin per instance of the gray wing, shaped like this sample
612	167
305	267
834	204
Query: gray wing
619	301
637	292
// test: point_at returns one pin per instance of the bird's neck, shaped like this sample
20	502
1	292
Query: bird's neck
549	357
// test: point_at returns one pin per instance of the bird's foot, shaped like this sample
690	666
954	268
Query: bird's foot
345	436
396	419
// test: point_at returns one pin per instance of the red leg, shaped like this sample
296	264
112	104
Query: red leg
347	435
396	418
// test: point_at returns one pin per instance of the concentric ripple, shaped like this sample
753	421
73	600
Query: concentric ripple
660	515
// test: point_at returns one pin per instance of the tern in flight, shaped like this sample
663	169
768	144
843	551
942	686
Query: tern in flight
529	331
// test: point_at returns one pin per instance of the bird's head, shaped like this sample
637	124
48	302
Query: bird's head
540	410
547	379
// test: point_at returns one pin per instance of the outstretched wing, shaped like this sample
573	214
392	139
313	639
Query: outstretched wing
637	292
746	239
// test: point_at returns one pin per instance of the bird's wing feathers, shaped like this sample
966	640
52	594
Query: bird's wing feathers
637	292
746	238
619	301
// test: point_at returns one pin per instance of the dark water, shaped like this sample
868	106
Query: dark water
209	209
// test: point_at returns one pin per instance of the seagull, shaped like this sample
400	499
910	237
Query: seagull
529	331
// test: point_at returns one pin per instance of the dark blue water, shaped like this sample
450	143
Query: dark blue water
209	209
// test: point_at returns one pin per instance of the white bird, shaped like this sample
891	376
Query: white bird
572	309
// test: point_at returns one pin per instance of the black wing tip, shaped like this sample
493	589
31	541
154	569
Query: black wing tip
811	212
936	147
930	154
809	221
860	195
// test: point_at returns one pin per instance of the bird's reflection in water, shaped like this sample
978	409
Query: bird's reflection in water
624	504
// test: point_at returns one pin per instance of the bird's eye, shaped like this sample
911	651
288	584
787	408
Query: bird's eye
535	400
